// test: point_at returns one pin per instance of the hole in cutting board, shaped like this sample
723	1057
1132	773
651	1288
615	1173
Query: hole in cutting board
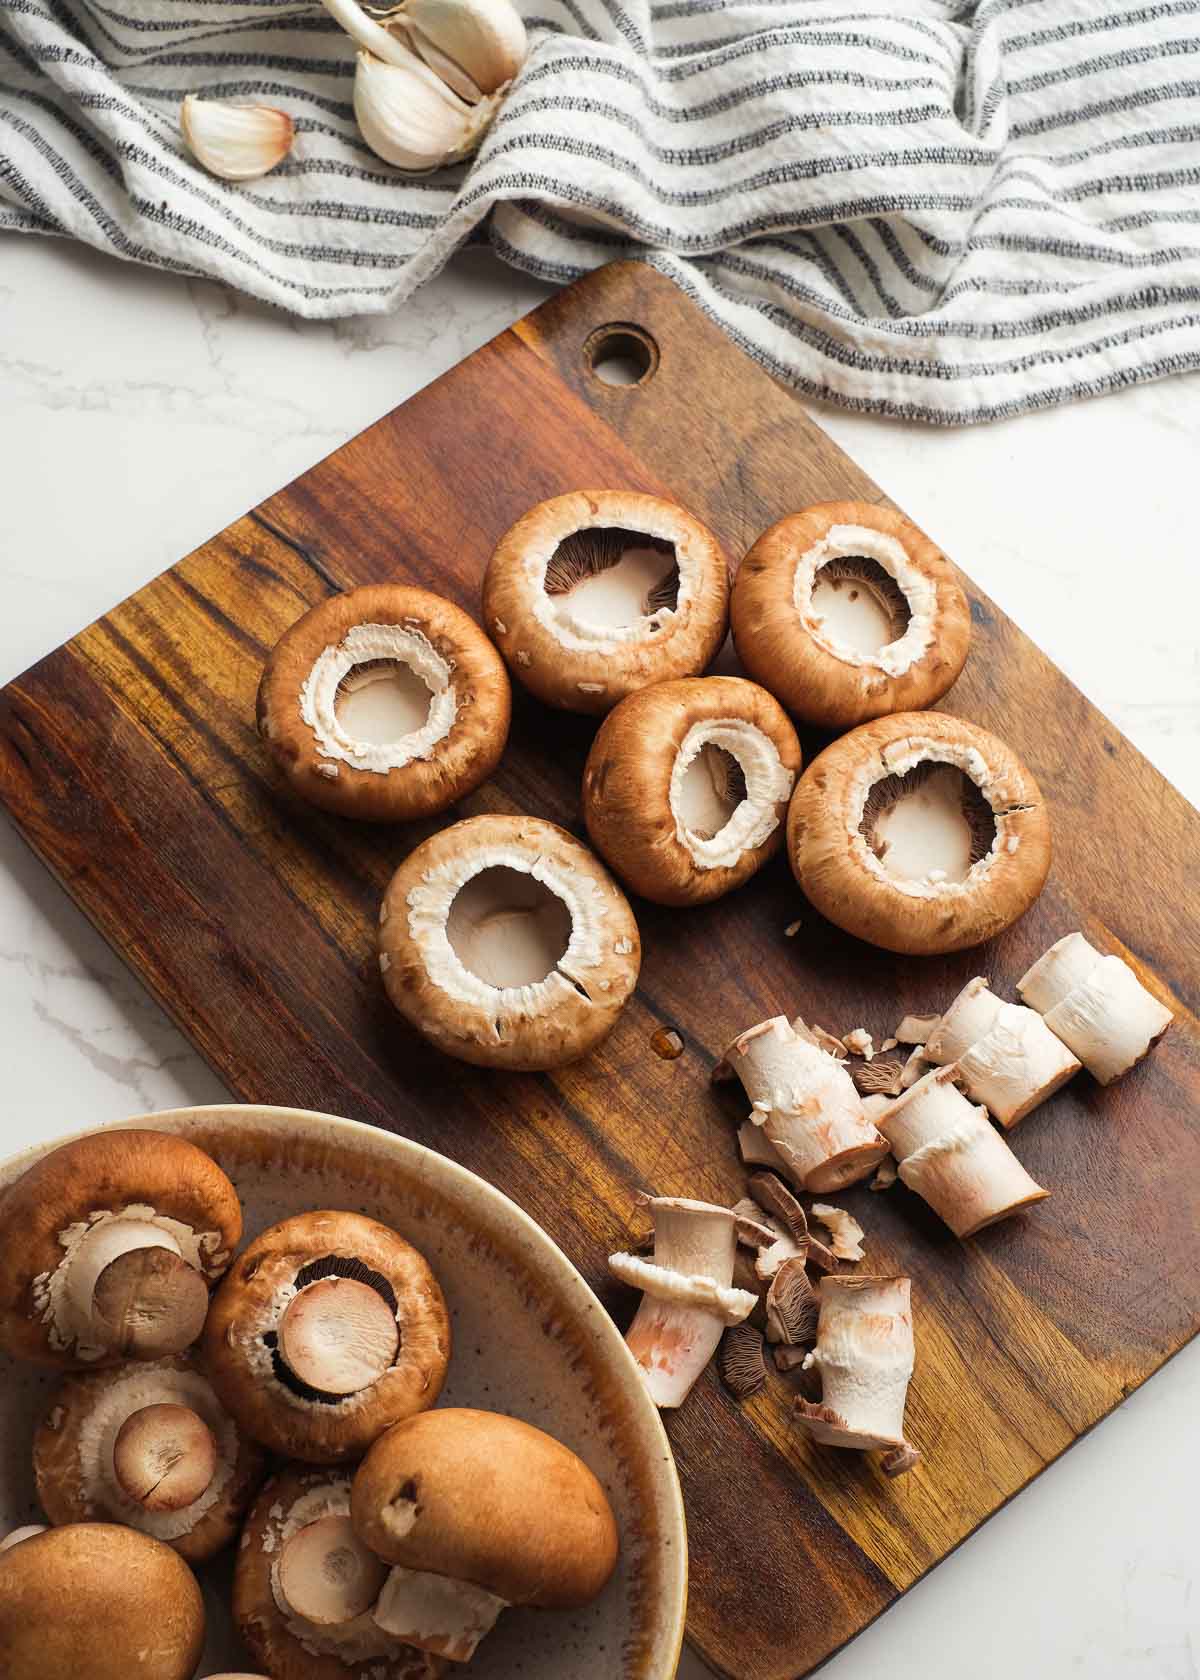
622	354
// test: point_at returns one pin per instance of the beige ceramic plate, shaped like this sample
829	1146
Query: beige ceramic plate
530	1339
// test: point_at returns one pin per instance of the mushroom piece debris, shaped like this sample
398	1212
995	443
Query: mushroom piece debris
915	1029
108	1245
791	1305
740	1361
772	1241
306	1587
15	1536
864	1354
919	833
508	944
688	1297
385	703
96	1601
1096	1005
806	1104
847	1233
596	594
1004	1054
328	1328
445	1500
846	611
151	1446
687	784
774	1197
756	1148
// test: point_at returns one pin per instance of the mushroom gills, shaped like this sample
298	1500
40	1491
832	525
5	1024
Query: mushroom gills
613	577
713	786
382	700
930	824
861	605
436	1613
507	928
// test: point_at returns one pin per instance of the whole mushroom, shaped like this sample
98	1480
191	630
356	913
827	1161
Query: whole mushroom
108	1246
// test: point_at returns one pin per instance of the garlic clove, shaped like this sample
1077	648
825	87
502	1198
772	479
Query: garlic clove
372	36
236	142
472	44
409	118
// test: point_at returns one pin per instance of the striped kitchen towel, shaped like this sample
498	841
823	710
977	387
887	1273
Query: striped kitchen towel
948	210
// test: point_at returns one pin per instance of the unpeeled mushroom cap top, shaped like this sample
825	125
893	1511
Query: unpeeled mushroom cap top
96	1601
575	650
452	704
508	944
910	771
686	786
118	1220
787	634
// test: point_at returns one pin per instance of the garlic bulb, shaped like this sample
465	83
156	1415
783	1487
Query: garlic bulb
476	46
236	142
410	118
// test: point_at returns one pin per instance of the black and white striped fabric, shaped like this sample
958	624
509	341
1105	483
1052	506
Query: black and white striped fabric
949	210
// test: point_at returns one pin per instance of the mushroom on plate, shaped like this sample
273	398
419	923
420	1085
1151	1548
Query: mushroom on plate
305	1587
386	703
847	611
108	1245
94	1601
1003	1054
600	592
686	786
328	1328
864	1354
1096	1005
508	944
953	1157
151	1446
919	833
476	1511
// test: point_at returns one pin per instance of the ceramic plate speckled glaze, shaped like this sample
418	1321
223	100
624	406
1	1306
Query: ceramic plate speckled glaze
530	1339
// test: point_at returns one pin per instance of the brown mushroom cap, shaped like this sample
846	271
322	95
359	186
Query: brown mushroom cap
103	1173
514	900
860	550
843	875
94	1601
285	1646
244	1348
460	700
75	1450
561	649
635	798
491	1500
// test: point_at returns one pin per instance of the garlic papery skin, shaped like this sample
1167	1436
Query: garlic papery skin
410	119
236	142
476	46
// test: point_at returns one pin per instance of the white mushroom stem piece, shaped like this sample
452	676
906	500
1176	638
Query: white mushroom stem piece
1006	1056
164	1457
688	1298
864	1353
325	1574
1096	1004
126	1287
435	1613
806	1104
15	1536
953	1158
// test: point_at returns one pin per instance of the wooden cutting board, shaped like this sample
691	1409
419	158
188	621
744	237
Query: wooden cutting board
129	761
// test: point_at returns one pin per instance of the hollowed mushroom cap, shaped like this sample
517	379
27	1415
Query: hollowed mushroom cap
996	818
94	1601
449	745
834	680
664	616
59	1241
490	1500
286	1646
686	787
76	1444
270	1289
508	944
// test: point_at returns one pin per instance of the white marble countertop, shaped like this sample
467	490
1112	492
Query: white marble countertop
140	413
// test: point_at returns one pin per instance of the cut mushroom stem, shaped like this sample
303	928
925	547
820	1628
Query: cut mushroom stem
15	1536
954	1158
1096	1005
864	1353
1005	1055
339	1336
164	1457
807	1106
149	1303
436	1613
327	1576
688	1298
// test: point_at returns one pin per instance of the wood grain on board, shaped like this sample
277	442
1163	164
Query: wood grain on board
128	759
